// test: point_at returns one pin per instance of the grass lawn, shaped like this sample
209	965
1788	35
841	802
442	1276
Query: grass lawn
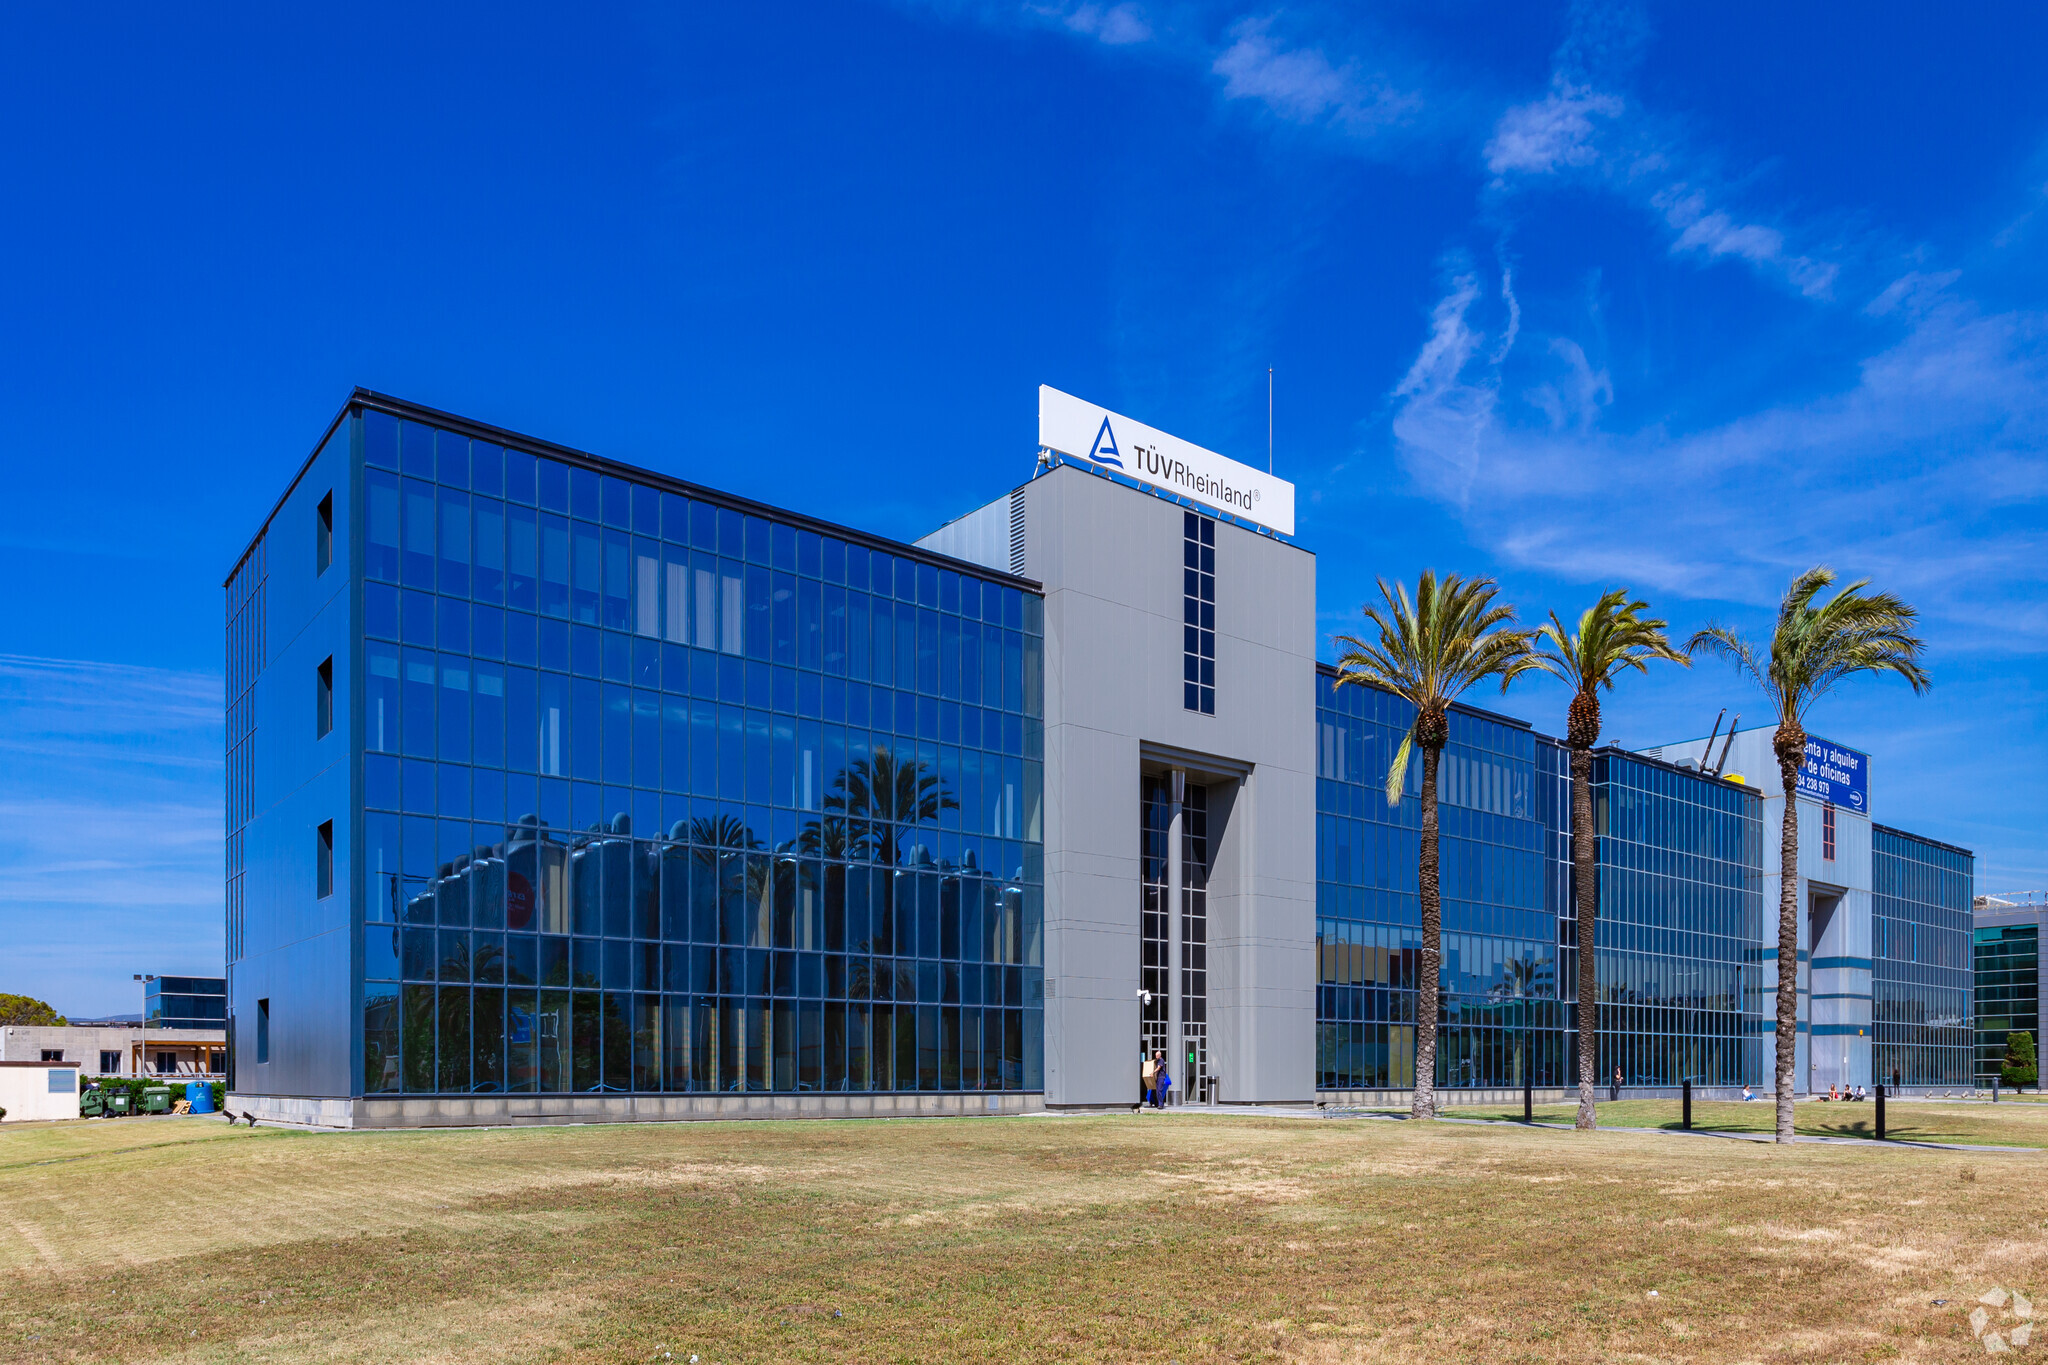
2003	1125
1117	1238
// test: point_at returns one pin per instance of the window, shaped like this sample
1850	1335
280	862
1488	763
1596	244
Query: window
166	1063
53	1054
63	1082
1827	832
323	536
110	1063
1198	612
323	867
323	705
263	1029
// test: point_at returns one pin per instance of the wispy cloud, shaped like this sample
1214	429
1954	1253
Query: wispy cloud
1117	25
1551	133
1910	472
111	826
1301	83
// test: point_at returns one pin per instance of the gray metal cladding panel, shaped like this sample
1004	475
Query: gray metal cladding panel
1110	560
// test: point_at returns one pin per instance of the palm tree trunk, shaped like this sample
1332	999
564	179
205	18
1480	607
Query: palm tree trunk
1431	968
1788	949
1587	890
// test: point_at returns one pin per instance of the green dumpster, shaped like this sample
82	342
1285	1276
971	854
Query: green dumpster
120	1102
156	1099
92	1104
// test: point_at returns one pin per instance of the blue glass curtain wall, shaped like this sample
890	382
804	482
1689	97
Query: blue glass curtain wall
1921	968
1680	902
660	795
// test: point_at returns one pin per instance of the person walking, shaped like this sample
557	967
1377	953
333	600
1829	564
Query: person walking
1148	1080
1162	1094
1615	1094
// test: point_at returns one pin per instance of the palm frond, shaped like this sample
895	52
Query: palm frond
1814	647
1431	649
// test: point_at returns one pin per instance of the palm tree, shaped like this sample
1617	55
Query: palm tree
1811	649
1428	653
1613	635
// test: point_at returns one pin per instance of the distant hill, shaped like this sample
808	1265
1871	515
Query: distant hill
78	1021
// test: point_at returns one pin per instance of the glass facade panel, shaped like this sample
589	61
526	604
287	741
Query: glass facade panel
1679	909
1921	964
711	802
2008	991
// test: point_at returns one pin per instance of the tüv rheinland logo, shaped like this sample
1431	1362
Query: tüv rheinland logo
2012	1325
1104	451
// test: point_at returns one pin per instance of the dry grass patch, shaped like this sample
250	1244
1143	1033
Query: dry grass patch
1142	1239
1979	1123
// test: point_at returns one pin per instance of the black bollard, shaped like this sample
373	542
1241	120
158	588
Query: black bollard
1685	1113
1528	1096
1880	1113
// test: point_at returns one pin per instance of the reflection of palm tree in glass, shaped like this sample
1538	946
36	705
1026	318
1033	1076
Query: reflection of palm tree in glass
726	831
890	791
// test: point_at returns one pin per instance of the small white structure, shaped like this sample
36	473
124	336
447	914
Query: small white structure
39	1090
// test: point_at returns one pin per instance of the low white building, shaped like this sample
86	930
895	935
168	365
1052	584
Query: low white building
119	1050
38	1090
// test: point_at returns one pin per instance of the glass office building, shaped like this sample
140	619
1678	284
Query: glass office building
561	789
184	1002
1921	959
2006	971
650	790
1680	909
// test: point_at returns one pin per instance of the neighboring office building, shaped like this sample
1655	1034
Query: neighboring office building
182	1033
184	1002
1884	975
2008	974
471	673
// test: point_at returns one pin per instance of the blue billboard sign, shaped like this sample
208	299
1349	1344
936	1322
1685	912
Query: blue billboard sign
1836	775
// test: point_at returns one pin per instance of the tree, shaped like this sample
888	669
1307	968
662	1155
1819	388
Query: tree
28	1012
1428	653
1810	650
2019	1060
1613	635
890	791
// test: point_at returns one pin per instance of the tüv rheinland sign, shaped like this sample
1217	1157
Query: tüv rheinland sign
1083	431
1836	775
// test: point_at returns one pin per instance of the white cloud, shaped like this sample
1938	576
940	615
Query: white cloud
1116	25
1926	471
1553	132
1303	85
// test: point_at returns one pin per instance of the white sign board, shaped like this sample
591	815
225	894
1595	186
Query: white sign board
1099	436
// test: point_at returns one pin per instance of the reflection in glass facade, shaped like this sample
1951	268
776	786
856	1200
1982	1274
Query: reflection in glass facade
1921	959
664	793
1679	914
1681	925
1500	792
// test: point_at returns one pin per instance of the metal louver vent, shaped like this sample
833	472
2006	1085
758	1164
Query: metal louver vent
1017	531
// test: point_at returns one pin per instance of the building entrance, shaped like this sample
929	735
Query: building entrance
1173	1015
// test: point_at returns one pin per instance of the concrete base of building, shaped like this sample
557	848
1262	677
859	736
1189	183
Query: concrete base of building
511	1111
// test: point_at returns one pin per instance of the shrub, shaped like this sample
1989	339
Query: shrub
2019	1068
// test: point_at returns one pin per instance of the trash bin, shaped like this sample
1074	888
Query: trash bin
156	1099
200	1093
120	1102
92	1104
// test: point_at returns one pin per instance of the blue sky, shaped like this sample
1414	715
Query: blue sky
1684	298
